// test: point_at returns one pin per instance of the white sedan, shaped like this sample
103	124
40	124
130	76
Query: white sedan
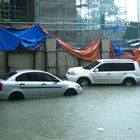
23	84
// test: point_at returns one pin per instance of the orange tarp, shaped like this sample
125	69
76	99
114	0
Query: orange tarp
90	52
136	51
129	56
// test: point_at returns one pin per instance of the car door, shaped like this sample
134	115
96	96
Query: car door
50	85
29	84
117	72
120	71
102	73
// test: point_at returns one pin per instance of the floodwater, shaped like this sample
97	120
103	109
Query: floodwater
100	113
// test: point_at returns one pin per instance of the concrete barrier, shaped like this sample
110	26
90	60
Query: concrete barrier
53	60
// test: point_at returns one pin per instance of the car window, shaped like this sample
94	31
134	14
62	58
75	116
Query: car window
106	67
45	77
35	76
91	65
10	74
117	67
123	66
27	77
129	66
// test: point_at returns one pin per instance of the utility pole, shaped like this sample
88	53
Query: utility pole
102	15
138	10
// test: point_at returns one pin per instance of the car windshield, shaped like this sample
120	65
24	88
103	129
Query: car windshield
7	76
91	65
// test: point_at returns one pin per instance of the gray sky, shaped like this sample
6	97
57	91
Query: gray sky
131	8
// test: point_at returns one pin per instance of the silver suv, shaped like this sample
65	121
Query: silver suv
106	71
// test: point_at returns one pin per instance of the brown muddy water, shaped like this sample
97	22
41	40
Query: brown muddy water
100	113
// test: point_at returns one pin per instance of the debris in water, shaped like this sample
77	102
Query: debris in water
100	129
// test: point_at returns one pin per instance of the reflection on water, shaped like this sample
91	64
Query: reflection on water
116	109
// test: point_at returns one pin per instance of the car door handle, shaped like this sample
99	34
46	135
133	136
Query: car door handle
22	85
108	73
43	85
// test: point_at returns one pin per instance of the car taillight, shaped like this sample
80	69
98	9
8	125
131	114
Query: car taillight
1	85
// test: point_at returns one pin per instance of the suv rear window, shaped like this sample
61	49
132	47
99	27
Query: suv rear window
127	67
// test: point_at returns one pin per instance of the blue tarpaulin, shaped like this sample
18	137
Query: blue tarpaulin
117	48
8	42
115	29
11	38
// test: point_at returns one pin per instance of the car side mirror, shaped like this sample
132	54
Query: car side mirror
96	70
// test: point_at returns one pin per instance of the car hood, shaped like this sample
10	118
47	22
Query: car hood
76	69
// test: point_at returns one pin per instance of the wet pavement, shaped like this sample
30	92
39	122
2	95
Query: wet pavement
100	113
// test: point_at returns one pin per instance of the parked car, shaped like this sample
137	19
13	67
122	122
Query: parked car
35	84
106	71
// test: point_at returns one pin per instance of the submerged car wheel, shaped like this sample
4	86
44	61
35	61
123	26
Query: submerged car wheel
83	82
16	96
70	92
129	82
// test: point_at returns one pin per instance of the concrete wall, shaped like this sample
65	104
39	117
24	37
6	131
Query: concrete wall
53	60
105	50
2	63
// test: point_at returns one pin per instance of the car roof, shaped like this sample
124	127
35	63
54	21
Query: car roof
29	70
116	60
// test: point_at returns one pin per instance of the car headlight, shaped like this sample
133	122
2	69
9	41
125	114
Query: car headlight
71	73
